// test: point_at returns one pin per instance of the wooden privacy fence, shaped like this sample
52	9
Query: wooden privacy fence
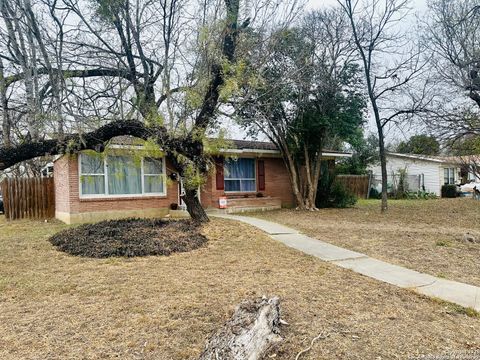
359	185
32	198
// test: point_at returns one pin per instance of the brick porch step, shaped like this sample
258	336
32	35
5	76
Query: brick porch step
238	205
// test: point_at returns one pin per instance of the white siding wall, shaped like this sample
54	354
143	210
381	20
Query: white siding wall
432	171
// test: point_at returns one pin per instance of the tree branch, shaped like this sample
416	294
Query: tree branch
74	73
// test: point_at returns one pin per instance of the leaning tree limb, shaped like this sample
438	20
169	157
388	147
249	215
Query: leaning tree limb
191	148
74	73
249	334
96	140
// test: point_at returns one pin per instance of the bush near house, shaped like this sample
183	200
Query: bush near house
420	194
449	191
332	194
409	195
341	197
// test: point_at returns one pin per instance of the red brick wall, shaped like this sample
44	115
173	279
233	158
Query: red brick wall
277	184
62	181
277	181
68	200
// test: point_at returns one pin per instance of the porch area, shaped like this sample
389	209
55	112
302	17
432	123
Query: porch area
239	204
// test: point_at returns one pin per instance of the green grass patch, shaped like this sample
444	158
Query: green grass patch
456	309
443	243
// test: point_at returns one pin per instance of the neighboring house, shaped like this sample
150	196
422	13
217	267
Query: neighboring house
469	165
90	187
427	173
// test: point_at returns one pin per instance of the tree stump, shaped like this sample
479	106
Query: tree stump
249	334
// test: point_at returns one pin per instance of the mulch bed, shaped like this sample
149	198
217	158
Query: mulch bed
129	238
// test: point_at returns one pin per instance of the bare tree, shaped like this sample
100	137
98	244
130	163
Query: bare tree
452	34
391	61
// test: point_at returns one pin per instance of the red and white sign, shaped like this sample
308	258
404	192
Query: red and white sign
222	202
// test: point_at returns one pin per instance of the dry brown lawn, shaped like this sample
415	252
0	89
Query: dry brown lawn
57	306
424	235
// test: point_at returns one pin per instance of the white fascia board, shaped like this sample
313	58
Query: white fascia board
249	151
336	154
419	157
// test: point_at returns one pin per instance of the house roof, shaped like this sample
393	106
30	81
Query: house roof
464	159
240	146
435	159
250	144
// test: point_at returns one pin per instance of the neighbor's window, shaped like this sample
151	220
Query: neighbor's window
118	175
449	176
239	175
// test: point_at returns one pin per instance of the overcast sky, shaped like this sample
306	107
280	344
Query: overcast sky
417	5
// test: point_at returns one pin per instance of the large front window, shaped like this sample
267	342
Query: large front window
239	175
449	176
121	175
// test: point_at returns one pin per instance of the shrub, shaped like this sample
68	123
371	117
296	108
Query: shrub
330	193
401	190
449	191
374	194
420	194
334	195
340	197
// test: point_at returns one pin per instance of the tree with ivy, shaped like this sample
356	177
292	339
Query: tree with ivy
307	98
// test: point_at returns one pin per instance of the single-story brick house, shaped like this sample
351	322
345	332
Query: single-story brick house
89	187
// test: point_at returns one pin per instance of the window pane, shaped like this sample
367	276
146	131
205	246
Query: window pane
232	185
248	185
240	169
124	176
91	164
153	184
152	166
93	184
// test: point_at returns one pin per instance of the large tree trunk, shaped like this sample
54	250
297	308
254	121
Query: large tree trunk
304	186
194	207
249	334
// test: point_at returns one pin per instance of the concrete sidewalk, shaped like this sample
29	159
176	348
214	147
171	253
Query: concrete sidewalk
455	292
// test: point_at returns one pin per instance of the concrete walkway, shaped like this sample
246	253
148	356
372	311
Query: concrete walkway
455	292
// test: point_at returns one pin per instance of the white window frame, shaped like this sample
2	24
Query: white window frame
105	178
163	174
240	179
450	171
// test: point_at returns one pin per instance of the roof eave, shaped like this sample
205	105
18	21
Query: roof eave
419	157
